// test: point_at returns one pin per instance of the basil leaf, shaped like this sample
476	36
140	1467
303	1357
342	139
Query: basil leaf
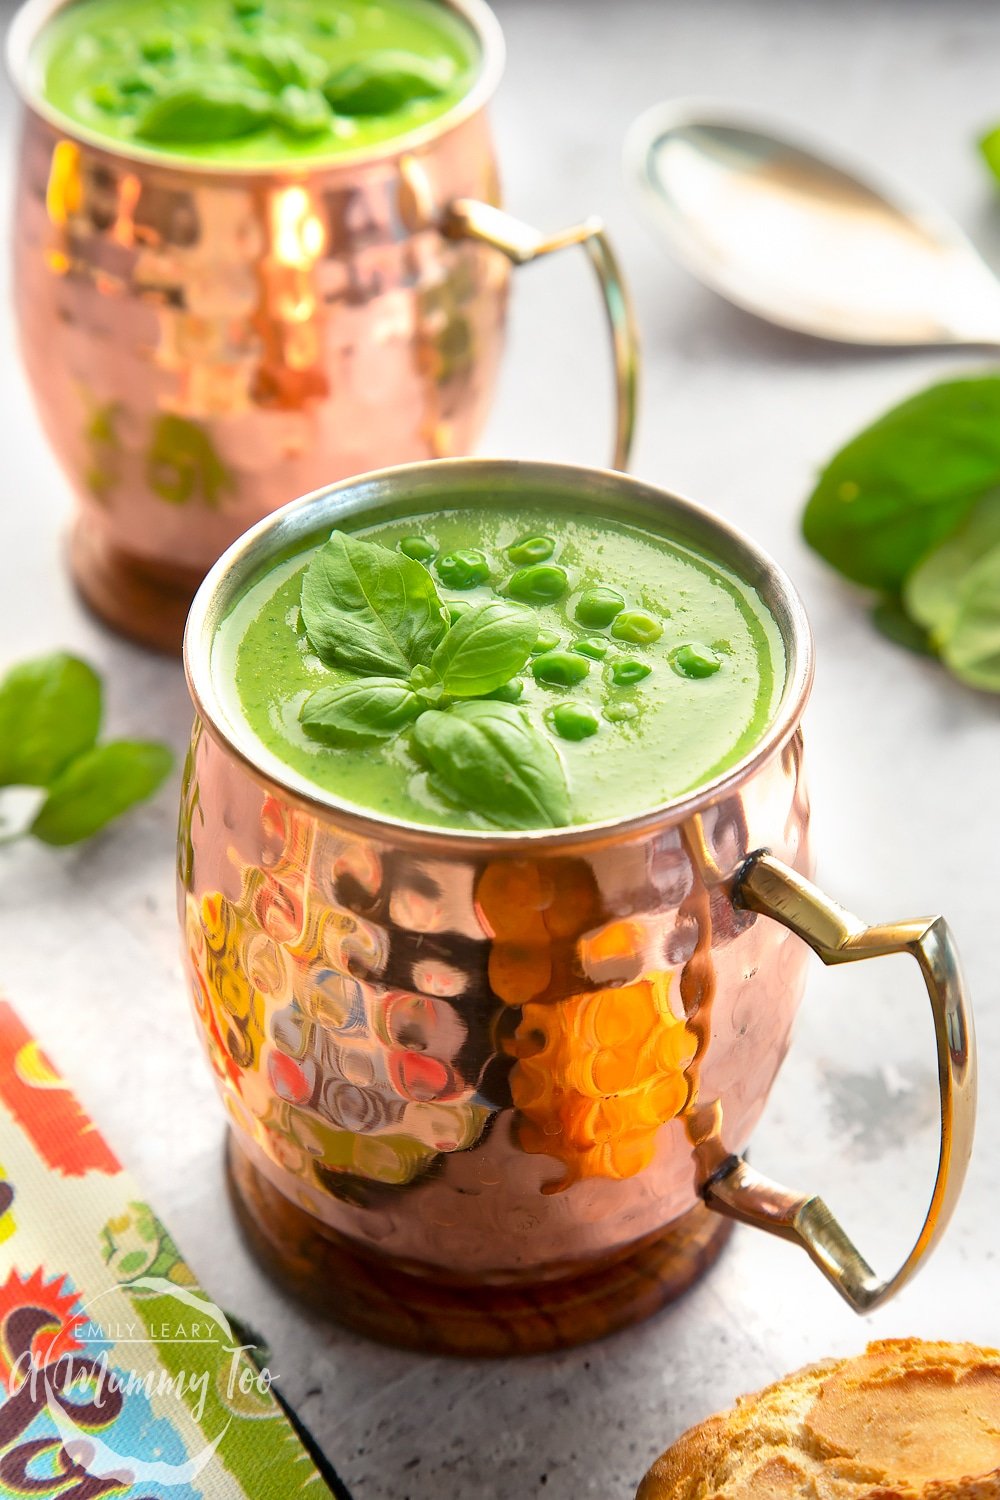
890	618
904	484
98	786
50	712
933	591
302	112
193	114
486	647
491	759
972	648
371	708
370	609
276	61
384	82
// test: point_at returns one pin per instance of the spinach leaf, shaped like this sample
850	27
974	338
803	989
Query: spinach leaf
370	708
193	113
50	712
905	483
370	609
99	785
486	647
490	757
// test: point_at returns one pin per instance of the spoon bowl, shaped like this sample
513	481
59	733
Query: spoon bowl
799	236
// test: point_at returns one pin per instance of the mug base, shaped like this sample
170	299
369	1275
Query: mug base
143	601
375	1296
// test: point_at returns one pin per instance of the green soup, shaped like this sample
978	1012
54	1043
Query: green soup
255	81
640	669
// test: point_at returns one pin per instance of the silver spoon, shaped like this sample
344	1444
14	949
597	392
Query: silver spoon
795	235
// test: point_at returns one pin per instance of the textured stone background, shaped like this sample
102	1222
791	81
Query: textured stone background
903	765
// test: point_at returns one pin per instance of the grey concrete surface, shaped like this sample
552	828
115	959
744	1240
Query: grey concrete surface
903	767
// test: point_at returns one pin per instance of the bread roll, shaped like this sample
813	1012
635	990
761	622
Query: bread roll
906	1420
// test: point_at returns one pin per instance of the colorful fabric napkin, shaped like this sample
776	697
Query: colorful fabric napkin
118	1376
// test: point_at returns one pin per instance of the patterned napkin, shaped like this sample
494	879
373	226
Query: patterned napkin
118	1376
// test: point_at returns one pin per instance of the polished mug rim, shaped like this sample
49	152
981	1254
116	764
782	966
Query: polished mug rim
289	529
34	15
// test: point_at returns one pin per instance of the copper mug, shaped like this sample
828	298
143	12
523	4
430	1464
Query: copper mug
205	341
489	1091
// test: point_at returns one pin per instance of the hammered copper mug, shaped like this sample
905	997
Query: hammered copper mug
489	1092
204	341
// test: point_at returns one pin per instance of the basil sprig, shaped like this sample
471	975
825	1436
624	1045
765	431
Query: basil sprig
911	507
50	717
377	613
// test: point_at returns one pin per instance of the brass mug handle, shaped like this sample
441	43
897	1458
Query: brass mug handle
468	218
734	1188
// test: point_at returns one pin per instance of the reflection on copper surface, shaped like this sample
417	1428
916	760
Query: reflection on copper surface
510	1047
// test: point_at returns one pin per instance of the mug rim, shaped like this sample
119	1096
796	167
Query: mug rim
32	17
304	518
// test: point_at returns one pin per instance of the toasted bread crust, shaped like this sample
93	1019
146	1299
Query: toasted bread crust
906	1420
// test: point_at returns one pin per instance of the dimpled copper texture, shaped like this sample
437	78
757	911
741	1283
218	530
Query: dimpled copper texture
474	1069
205	343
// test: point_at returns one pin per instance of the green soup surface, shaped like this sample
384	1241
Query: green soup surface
255	81
653	668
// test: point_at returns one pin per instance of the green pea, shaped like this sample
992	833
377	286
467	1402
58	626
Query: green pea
510	692
636	626
594	646
545	640
542	583
457	609
136	83
572	721
531	549
105	96
417	547
560	668
159	46
620	713
628	673
465	569
596	608
695	660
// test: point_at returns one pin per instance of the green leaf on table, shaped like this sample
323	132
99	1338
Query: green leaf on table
384	82
367	709
50	712
485	648
369	608
933	592
890	618
989	145
491	759
955	595
906	482
972	647
97	786
202	113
